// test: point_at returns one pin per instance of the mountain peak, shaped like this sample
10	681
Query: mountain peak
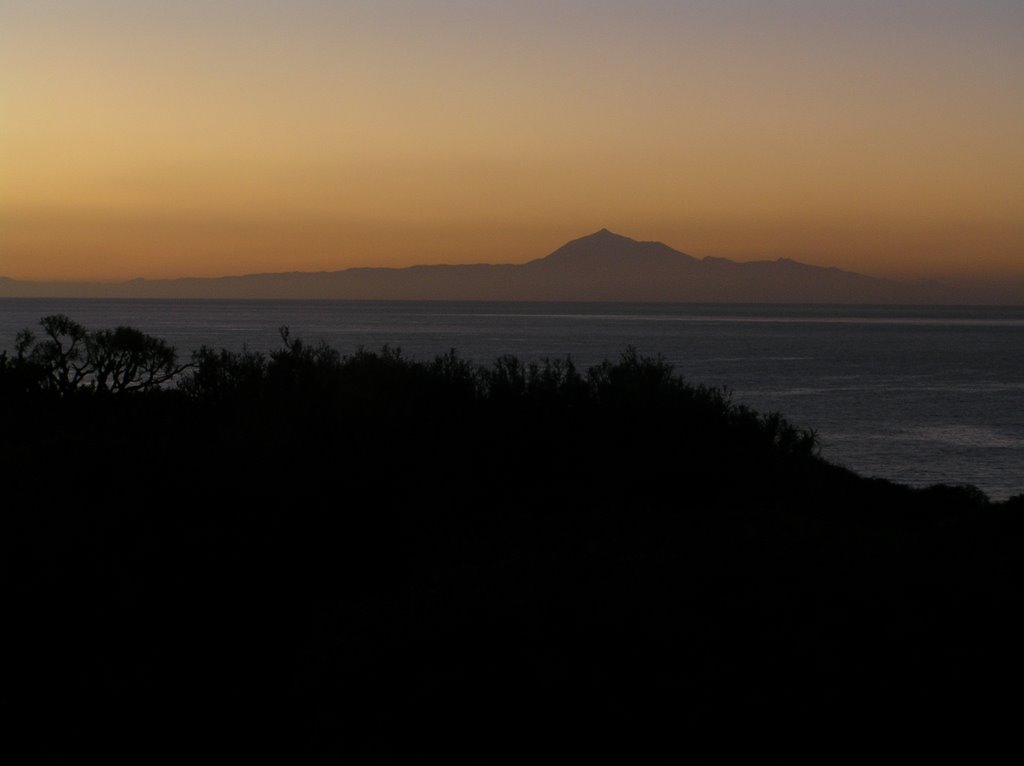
606	235
608	247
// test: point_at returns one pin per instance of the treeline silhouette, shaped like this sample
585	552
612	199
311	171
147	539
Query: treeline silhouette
372	558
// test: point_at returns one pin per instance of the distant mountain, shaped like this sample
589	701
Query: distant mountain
600	267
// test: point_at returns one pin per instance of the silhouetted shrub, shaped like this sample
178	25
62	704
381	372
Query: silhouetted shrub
960	495
224	376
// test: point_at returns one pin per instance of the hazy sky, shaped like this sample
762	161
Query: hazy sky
155	139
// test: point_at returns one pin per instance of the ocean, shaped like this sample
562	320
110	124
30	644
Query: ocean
919	395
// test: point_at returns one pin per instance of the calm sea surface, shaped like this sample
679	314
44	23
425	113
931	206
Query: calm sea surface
918	395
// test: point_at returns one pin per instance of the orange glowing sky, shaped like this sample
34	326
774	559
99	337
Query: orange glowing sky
155	139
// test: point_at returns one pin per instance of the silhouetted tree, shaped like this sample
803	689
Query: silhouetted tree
126	359
69	358
60	357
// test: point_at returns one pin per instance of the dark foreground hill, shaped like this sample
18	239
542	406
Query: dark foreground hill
599	267
372	559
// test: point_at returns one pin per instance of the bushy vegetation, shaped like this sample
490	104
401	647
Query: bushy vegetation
72	361
371	558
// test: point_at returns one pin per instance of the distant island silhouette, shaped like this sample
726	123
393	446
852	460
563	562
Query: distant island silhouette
603	266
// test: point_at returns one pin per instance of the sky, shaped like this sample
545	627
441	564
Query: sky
204	138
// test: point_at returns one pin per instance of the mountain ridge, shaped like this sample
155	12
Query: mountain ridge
602	266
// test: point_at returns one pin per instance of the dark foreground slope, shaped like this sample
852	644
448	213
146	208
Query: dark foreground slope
374	560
